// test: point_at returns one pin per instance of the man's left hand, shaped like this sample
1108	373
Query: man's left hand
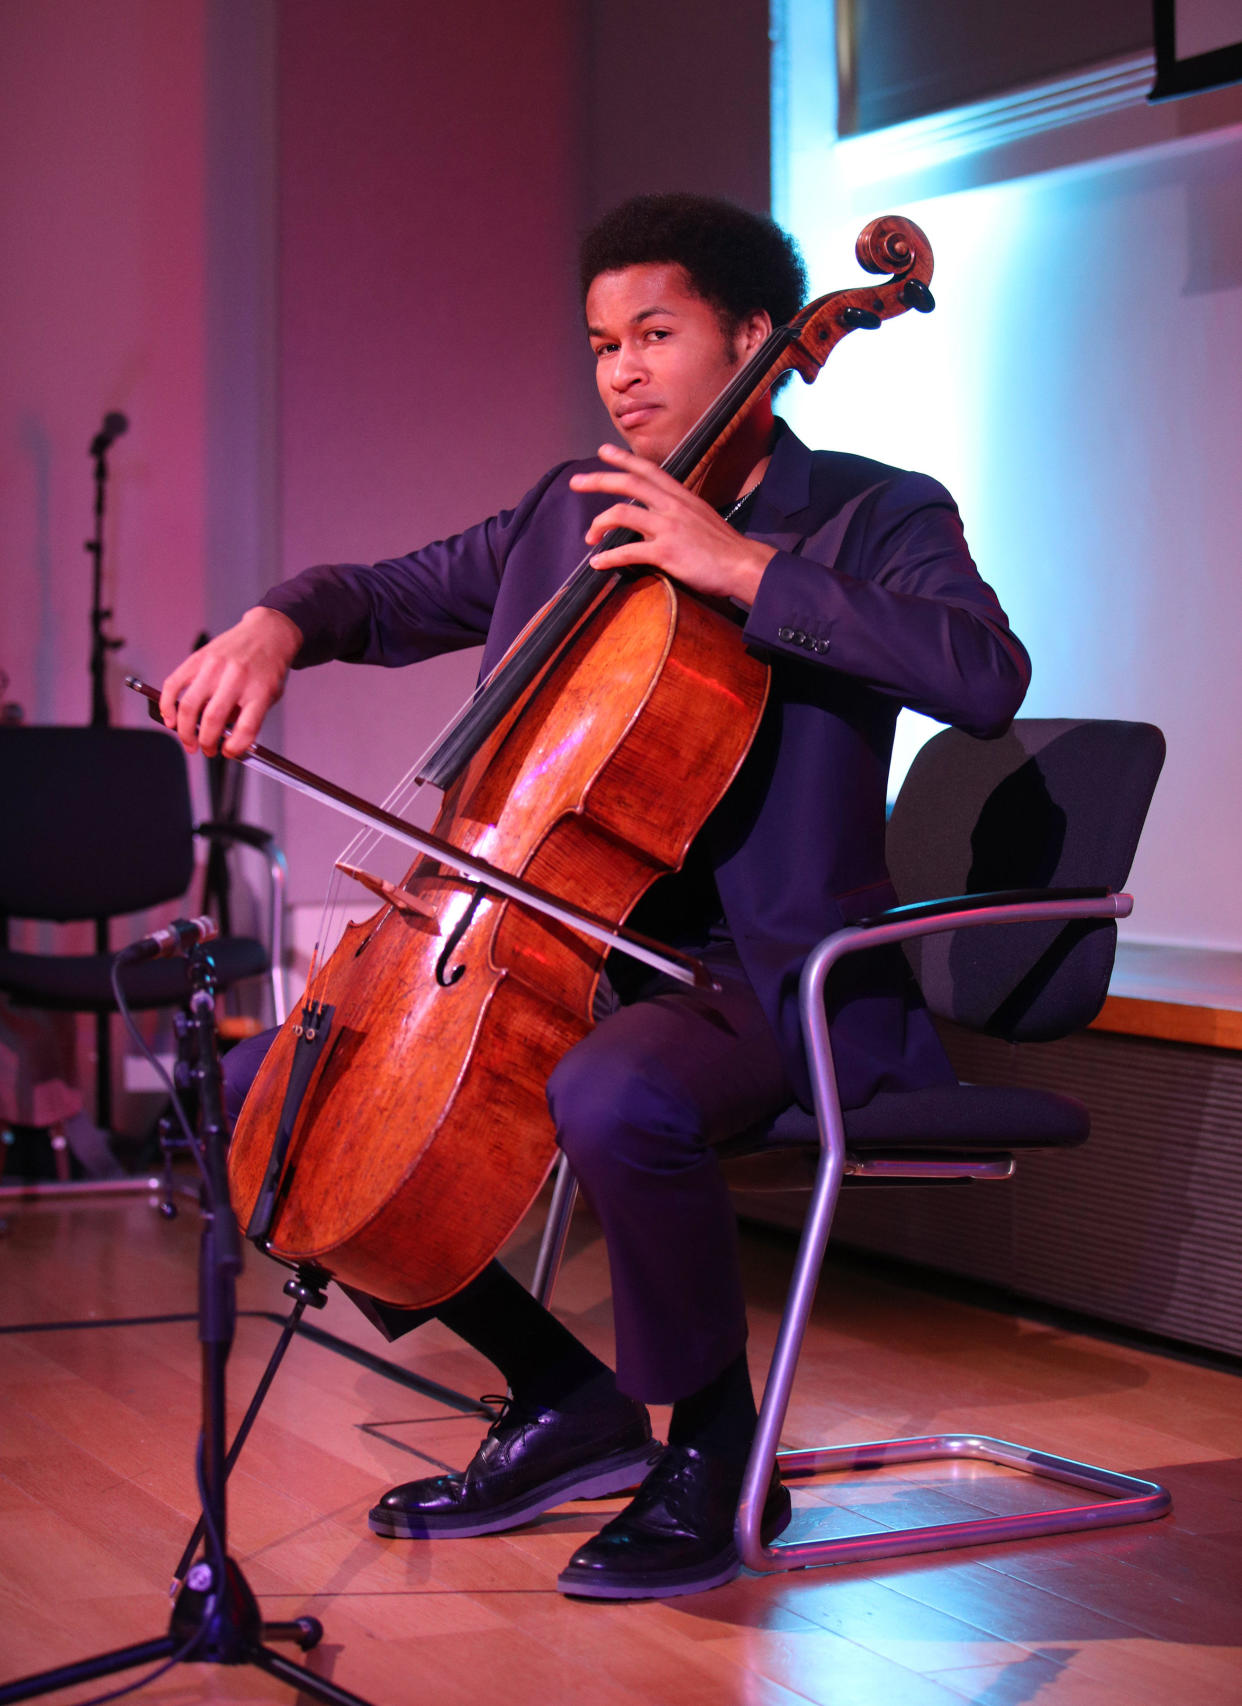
680	534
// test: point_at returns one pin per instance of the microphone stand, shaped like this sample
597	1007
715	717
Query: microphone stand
215	1618
101	644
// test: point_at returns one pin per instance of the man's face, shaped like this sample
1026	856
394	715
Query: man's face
661	353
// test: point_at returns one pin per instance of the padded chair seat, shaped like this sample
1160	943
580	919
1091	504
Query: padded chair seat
82	983
966	1116
974	1121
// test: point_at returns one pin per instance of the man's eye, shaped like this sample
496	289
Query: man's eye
657	333
605	349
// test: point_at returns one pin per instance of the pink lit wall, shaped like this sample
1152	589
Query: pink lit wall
428	341
101	307
321	254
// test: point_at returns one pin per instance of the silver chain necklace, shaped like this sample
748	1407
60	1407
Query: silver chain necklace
735	506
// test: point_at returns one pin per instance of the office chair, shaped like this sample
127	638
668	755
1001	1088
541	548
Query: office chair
1030	839
97	825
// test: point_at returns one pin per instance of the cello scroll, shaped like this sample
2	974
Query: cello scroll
889	244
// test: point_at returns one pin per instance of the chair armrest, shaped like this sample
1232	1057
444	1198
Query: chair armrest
919	909
961	912
903	923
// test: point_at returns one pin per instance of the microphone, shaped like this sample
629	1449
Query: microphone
175	938
114	424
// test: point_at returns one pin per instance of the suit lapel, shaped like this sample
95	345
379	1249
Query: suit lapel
784	494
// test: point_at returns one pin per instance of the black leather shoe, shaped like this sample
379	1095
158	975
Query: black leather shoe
531	1460
675	1535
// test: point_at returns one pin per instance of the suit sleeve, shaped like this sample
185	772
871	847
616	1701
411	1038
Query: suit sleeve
897	602
405	609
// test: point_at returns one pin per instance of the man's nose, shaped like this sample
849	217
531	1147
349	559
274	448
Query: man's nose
627	368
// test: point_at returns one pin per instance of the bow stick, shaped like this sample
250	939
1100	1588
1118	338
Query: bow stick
683	967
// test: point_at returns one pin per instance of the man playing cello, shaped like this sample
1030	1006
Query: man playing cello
854	583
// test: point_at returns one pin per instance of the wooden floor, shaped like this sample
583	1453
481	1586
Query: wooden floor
96	1500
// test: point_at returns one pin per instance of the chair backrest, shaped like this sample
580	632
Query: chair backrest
96	822
1053	803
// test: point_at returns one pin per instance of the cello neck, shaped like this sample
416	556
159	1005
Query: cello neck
889	244
687	463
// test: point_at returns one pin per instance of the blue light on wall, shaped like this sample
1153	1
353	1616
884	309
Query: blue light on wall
1078	390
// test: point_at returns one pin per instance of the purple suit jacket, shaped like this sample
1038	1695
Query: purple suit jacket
871	603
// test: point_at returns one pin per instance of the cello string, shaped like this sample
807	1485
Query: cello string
334	914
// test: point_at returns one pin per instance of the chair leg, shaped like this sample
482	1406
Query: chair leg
60	1154
555	1232
1117	1498
103	1071
776	1393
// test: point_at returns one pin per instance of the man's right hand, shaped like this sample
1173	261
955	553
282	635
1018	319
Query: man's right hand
235	678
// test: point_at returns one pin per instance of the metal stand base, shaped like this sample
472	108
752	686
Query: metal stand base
208	1627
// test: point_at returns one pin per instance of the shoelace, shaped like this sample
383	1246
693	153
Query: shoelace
510	1409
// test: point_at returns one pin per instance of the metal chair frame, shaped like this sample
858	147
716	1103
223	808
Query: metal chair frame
263	842
1117	1498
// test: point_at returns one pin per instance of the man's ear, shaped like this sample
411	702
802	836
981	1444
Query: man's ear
752	331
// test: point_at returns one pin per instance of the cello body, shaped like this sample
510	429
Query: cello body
424	1134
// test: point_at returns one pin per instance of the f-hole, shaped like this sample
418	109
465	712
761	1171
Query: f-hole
444	977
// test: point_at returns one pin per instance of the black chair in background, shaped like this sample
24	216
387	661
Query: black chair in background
1009	857
98	825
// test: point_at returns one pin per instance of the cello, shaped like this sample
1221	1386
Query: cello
398	1132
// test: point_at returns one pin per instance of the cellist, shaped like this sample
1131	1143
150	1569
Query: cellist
854	581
